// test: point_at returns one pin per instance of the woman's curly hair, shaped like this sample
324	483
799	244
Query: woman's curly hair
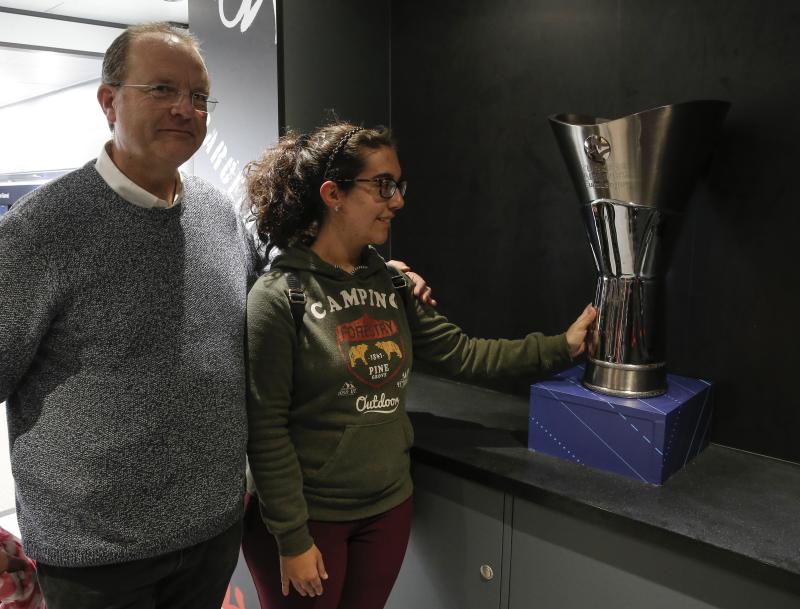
283	184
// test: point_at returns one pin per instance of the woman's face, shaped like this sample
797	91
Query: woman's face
366	216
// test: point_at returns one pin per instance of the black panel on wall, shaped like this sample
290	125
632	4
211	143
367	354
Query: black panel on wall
241	56
491	218
335	56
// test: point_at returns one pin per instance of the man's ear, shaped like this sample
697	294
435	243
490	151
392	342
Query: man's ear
106	95
330	194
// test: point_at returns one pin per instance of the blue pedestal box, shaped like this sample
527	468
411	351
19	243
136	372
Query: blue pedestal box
647	439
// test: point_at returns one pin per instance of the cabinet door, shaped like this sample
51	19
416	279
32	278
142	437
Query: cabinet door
564	561
456	538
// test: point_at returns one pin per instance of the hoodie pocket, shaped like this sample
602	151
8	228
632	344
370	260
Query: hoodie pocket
369	460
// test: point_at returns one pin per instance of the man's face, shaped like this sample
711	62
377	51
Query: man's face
149	133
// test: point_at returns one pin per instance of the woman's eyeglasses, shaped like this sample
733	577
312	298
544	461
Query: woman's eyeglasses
386	186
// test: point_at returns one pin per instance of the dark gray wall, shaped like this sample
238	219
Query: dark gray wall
335	56
491	218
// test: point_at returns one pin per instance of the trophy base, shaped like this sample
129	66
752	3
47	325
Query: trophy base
648	439
626	380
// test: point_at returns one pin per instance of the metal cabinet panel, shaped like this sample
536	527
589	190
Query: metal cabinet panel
457	530
563	561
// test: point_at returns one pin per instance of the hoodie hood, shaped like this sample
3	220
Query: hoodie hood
303	258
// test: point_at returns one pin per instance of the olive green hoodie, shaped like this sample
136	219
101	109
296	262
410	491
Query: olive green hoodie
329	434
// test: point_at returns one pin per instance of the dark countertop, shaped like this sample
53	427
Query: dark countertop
738	502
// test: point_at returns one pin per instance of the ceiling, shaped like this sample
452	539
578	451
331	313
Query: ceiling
27	73
114	11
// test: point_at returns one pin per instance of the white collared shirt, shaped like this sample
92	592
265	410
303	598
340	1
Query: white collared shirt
127	189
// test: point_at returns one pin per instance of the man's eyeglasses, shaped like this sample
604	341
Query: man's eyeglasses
169	95
386	186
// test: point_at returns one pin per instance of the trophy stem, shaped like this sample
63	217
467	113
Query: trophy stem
626	353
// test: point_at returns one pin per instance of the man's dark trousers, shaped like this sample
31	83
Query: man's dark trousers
192	578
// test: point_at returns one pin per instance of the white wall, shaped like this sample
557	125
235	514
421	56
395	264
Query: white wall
62	130
6	484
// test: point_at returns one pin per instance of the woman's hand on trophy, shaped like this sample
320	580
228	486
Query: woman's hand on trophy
577	333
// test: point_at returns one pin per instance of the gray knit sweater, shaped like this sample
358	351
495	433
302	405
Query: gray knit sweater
121	360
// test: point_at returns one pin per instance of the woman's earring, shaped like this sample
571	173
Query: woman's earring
337	208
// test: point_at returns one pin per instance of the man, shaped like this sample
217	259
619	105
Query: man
122	295
122	291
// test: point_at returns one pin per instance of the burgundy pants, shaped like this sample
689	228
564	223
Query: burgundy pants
362	558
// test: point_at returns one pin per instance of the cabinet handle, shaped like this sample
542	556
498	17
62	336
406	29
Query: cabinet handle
487	573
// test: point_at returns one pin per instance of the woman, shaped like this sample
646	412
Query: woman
329	436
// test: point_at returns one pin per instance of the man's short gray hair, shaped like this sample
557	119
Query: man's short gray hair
115	60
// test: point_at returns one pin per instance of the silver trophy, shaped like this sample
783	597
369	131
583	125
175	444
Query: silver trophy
634	176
